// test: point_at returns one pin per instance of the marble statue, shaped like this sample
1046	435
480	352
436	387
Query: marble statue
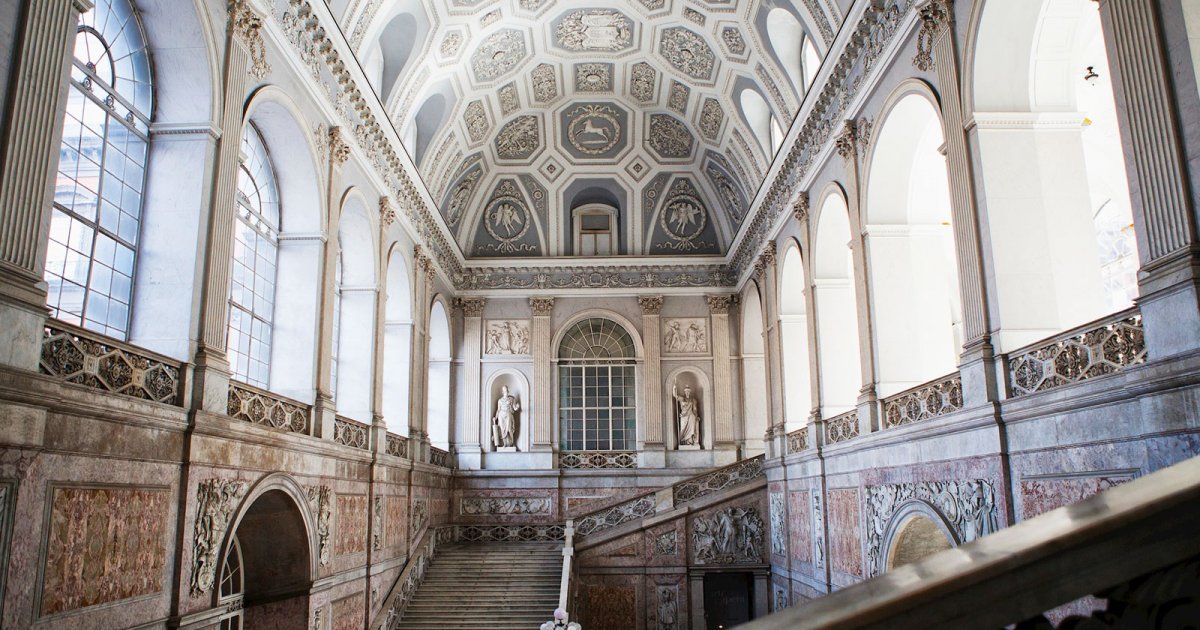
687	415
504	422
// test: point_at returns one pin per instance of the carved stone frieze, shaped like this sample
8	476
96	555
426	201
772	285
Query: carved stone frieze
666	544
216	501
505	506
685	335
778	524
418	517
612	516
320	501
730	536
968	507
509	336
744	471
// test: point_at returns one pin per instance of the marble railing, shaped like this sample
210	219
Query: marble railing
597	459
797	440
411	577
351	433
1101	347
396	445
717	480
508	533
841	427
83	357
930	400
261	407
438	457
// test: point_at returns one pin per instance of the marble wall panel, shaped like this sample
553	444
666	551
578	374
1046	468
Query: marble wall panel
395	523
845	539
351	532
1039	496
611	601
666	598
348	612
505	506
665	544
626	551
800	527
287	614
104	544
579	501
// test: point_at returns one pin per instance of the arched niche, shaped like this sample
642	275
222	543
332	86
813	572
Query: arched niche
1053	191
756	114
437	395
273	537
794	341
916	531
837	311
755	396
784	34
356	305
700	384
397	342
518	386
910	244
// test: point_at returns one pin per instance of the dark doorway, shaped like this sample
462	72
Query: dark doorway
728	599
268	561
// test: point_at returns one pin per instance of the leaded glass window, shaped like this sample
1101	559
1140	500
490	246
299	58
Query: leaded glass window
597	388
97	206
255	256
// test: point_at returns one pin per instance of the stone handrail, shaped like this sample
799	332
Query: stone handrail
568	552
261	407
396	445
439	457
841	427
86	358
597	459
797	440
929	400
646	503
1134	545
1101	347
351	433
410	578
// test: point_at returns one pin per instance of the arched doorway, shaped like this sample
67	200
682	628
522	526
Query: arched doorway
267	565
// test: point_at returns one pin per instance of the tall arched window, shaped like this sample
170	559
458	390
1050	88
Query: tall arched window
101	172
255	255
597	387
337	327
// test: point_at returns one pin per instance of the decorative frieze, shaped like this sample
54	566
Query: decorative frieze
216	501
263	408
968	507
731	536
841	428
76	357
507	336
505	506
685	336
351	433
418	517
507	533
597	459
742	472
1104	349
931	400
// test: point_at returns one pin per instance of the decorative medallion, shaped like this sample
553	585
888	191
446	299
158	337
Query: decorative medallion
593	77
677	98
476	120
499	53
545	87
641	82
683	219
451	43
507	220
594	130
594	29
687	52
519	138
510	101
711	117
733	40
669	137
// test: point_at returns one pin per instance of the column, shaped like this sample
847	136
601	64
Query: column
651	306
378	421
540	333
848	147
936	48
40	71
801	213
211	365
723	434
324	408
1163	204
418	443
767	276
468	445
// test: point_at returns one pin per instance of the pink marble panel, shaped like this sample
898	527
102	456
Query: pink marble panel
105	545
348	612
612	603
800	525
1039	496
395	522
845	547
351	536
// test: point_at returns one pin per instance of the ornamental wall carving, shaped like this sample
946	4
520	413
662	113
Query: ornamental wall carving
731	536
216	501
507	336
778	512
505	506
967	507
687	335
320	502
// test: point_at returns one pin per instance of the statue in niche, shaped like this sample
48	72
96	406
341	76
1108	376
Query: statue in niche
687	415
504	422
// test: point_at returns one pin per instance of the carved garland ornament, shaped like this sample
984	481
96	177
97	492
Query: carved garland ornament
247	26
216	500
935	18
320	500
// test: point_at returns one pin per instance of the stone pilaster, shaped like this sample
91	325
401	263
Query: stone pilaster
718	309
937	51
652	370
40	71
469	443
801	213
766	270
1164	210
423	283
543	373
378	421
848	147
324	409
212	371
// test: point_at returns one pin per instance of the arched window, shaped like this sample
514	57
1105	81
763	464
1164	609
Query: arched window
255	254
337	327
597	388
437	394
839	367
755	402
793	321
232	586
397	344
94	226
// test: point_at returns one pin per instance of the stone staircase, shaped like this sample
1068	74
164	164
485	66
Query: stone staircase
490	585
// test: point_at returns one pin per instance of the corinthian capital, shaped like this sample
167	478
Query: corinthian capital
936	16
651	304
246	26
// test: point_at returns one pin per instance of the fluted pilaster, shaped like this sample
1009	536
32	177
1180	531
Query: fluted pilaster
472	310
718	309
543	372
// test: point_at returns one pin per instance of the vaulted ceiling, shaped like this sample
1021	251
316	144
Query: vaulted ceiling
520	112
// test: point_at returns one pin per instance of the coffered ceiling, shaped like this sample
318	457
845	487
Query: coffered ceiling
519	112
